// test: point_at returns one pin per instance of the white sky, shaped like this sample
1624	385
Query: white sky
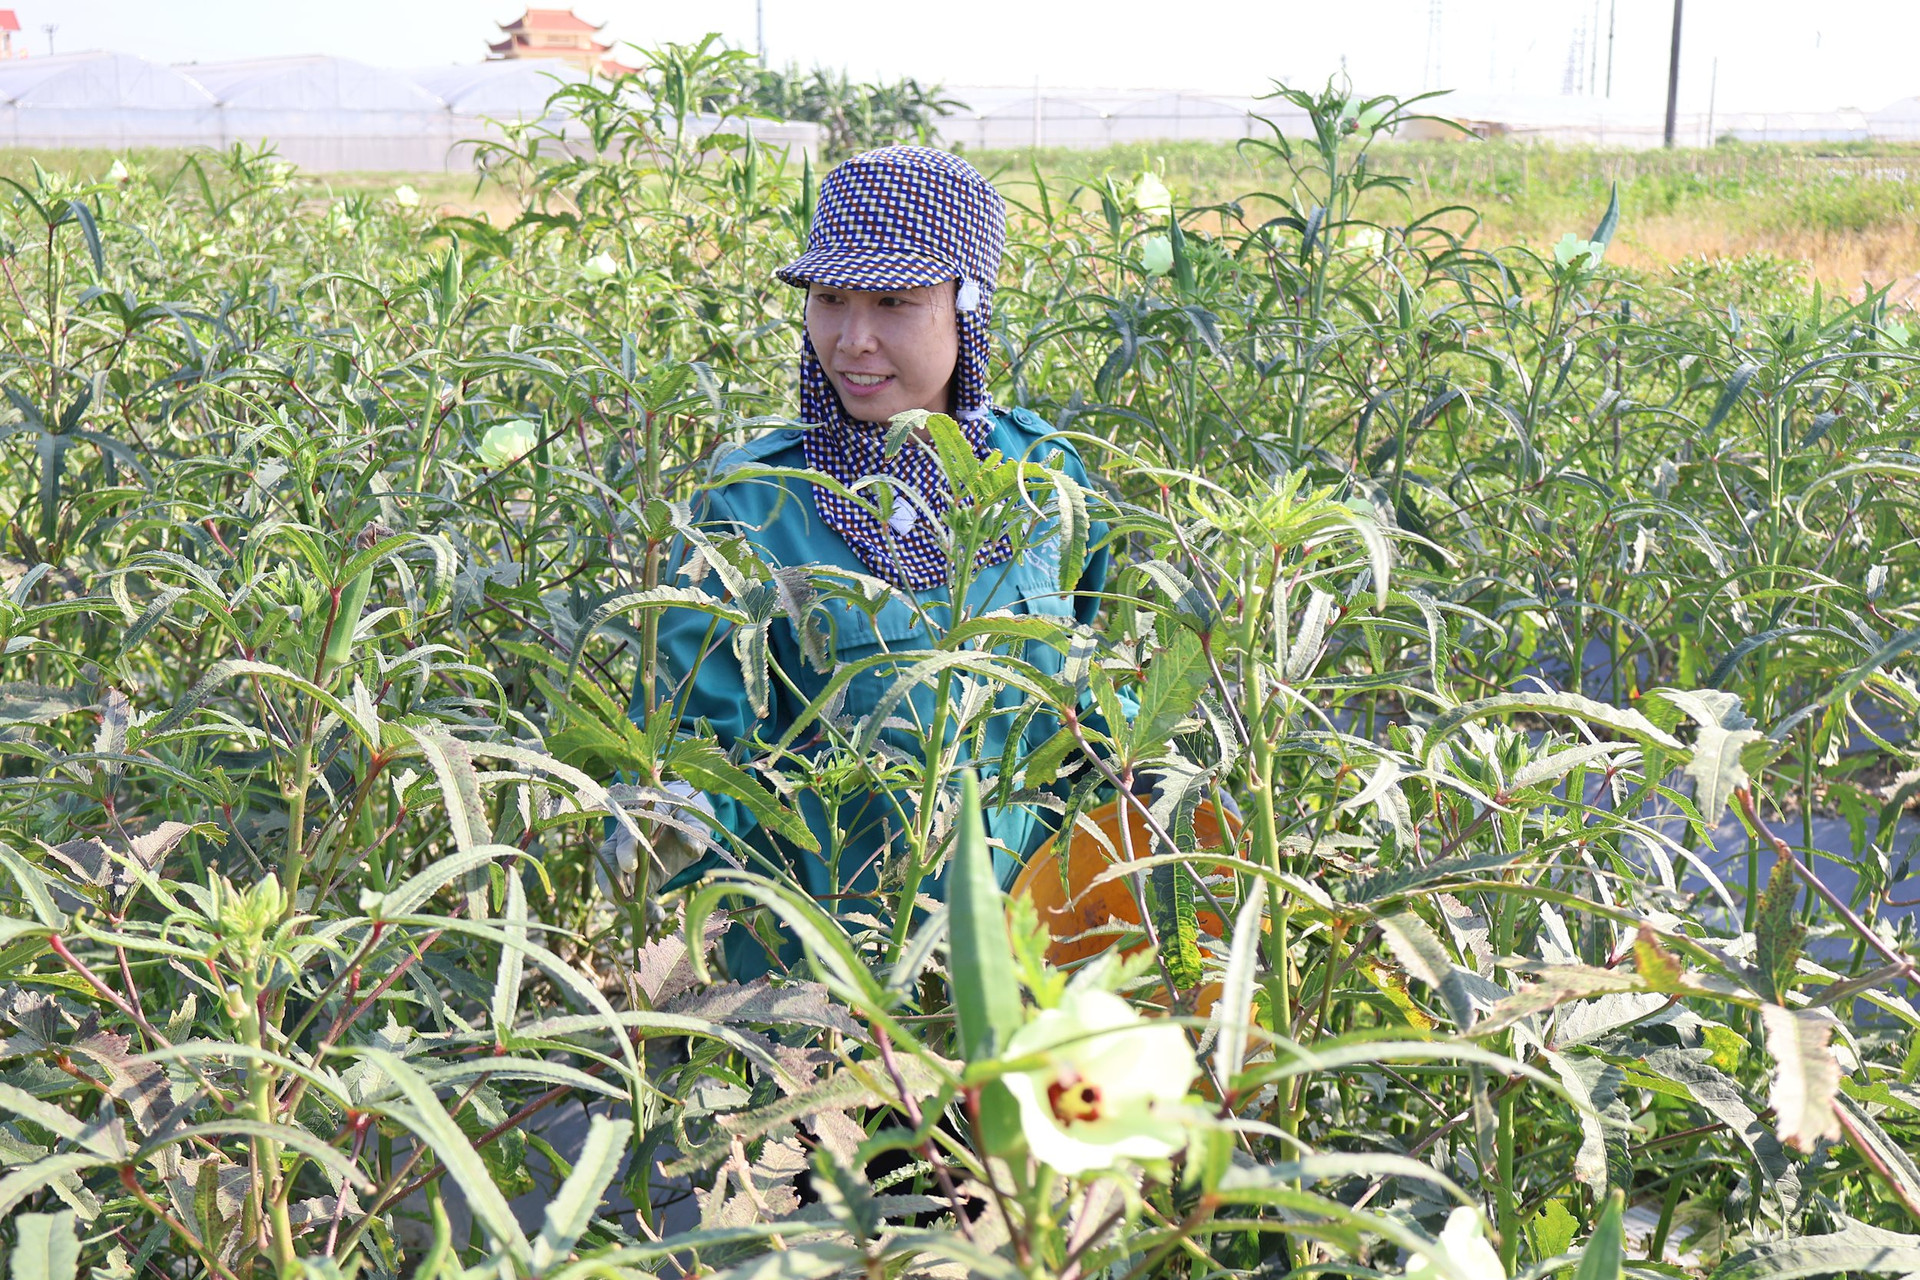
1773	54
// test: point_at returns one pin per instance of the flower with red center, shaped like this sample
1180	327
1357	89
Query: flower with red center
1110	1088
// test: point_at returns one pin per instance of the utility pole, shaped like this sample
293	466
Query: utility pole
760	30
1613	7
49	28
1673	76
1431	80
1713	92
1593	70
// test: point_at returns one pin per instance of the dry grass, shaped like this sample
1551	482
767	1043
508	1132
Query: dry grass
1844	262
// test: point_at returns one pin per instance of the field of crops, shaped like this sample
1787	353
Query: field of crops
1539	620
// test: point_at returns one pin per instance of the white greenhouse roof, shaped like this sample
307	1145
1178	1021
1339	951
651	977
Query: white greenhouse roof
98	81
516	87
102	100
314	83
1013	116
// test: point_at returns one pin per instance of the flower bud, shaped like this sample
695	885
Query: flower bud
1156	255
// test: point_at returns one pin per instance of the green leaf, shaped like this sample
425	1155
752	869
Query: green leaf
1072	528
1729	397
1631	723
580	1196
45	1247
227	668
1887	1157
1175	679
34	887
847	1196
1421	953
460	794
24	1181
1597	1083
1723	748
706	768
506	983
1553	1229
1806	1075
1855	1250
38	704
1610	220
1171	901
1235	1006
986	991
1688	1073
1605	1257
429	1121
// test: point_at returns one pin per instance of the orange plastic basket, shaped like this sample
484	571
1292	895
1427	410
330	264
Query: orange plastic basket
1073	907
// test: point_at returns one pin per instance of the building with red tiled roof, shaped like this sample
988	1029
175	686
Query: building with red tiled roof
10	23
556	33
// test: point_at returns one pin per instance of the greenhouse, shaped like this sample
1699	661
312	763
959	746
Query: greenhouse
1899	122
329	113
321	113
999	117
102	100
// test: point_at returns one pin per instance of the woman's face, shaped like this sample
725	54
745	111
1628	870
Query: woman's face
886	351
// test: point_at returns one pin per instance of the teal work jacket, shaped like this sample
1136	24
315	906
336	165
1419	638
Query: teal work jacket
778	517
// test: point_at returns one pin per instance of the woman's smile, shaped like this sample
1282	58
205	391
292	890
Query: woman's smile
863	384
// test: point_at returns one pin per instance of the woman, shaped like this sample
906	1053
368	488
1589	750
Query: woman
899	272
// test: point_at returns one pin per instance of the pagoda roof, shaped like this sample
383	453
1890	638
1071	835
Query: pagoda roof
550	20
9	21
519	41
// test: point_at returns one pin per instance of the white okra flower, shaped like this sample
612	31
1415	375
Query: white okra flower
1113	1086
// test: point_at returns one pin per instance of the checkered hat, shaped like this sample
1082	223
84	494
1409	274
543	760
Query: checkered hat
900	218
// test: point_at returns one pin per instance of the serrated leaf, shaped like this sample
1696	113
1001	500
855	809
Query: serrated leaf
1071	528
1631	723
1689	1073
1855	1250
1421	953
1176	922
1723	746
1806	1075
452	764
844	1190
1174	681
705	767
1598	1084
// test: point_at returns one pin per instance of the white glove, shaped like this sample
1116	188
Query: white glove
679	841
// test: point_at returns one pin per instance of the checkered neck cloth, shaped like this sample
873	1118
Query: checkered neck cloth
900	218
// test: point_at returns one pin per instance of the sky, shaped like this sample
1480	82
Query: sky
1749	55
